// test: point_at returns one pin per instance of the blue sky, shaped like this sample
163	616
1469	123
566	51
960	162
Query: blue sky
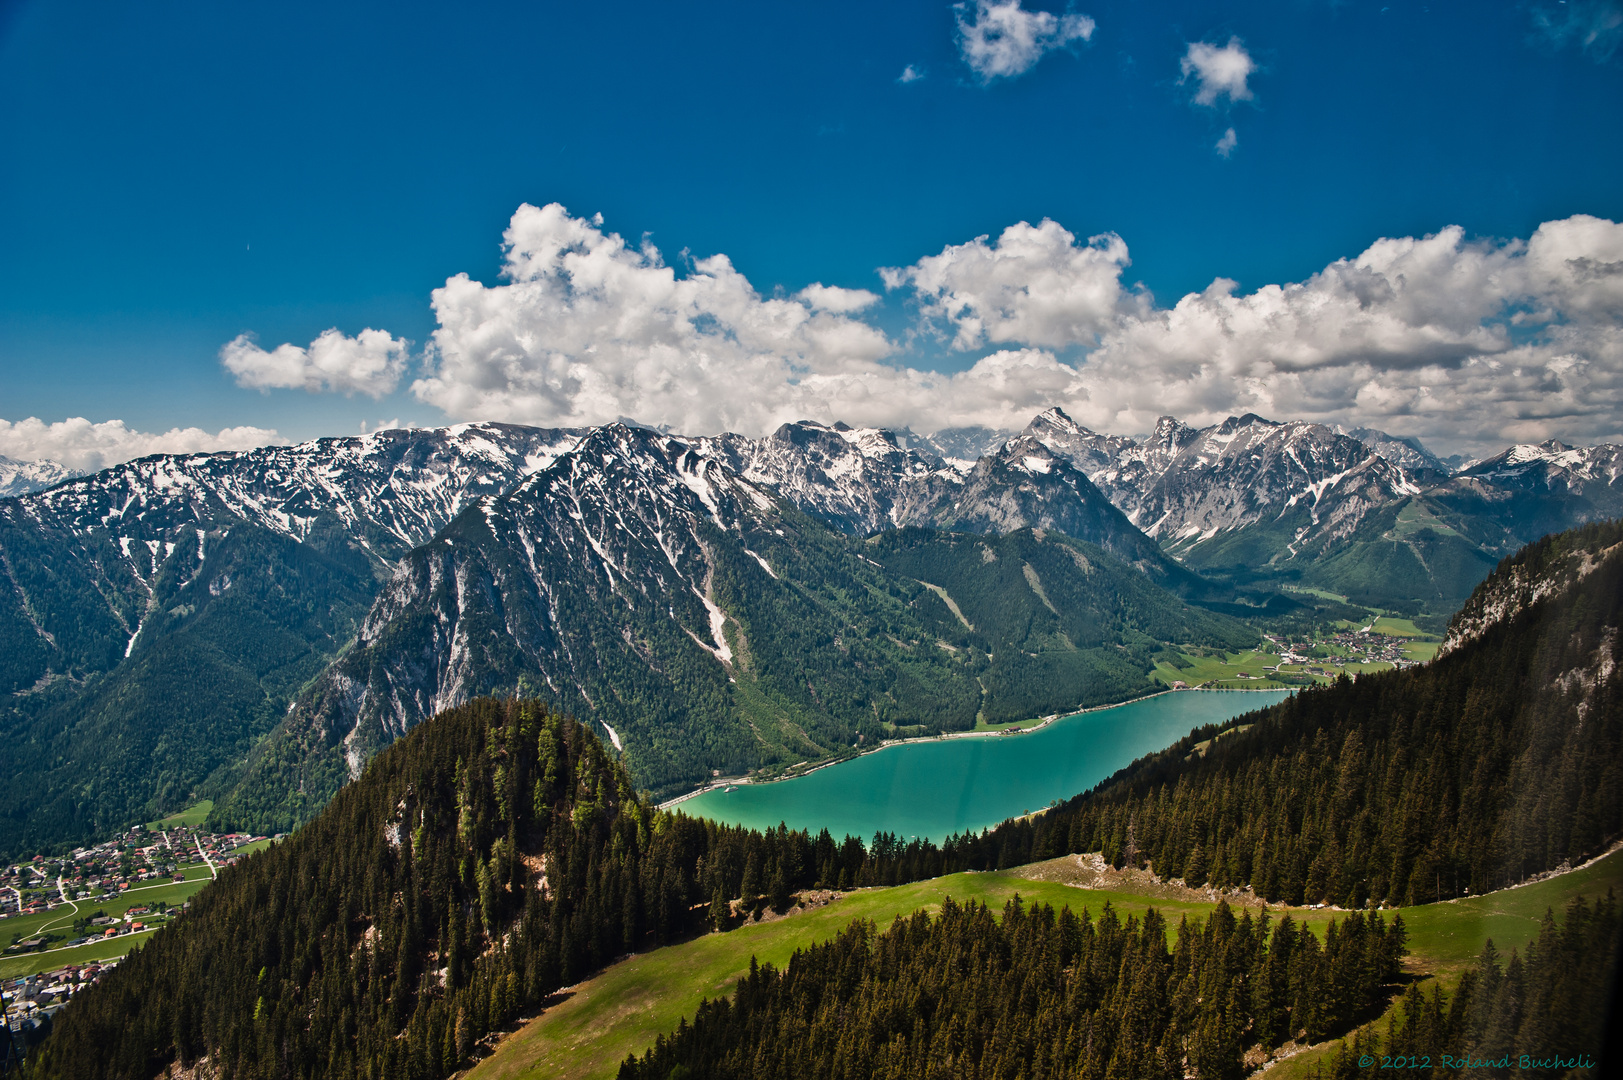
177	175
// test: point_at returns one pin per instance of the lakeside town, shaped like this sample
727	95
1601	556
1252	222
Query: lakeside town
89	905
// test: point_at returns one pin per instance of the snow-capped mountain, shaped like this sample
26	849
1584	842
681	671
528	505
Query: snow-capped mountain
700	616
23	477
111	536
1184	486
860	480
1591	474
388	491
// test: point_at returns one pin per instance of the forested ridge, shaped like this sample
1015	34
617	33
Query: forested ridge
1499	760
490	857
1036	994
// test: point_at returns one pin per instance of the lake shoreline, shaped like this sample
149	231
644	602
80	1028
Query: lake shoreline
719	784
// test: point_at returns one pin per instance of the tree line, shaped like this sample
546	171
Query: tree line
1037	993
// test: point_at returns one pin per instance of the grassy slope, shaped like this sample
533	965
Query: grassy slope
191	817
1445	939
624	1009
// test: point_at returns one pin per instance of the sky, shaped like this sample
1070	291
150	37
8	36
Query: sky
222	226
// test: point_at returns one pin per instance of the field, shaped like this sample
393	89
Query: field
596	1024
1224	670
191	817
60	920
1012	725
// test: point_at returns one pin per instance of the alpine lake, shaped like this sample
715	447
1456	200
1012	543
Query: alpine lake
933	788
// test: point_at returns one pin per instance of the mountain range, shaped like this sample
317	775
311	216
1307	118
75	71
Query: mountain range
717	603
498	854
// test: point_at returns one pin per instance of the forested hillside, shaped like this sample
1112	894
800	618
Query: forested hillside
490	857
1037	994
1550	1004
232	627
1500	760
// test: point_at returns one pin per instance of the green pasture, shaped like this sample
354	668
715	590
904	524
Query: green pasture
1421	651
593	1027
625	1008
1391	627
1224	669
60	920
191	817
1012	725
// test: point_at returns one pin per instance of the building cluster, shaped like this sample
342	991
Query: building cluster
1345	647
32	997
136	859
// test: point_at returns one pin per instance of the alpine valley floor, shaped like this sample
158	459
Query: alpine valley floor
593	1026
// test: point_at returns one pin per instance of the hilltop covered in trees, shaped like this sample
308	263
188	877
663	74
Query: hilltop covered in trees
492	856
1500	760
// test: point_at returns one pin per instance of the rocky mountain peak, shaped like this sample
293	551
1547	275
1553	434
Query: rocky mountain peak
1172	434
25	477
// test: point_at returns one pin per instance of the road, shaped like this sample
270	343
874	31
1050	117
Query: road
213	870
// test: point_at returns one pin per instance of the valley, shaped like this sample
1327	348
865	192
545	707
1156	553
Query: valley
319	570
493	861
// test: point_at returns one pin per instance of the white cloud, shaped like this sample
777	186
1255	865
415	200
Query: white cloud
371	363
820	297
1218	71
910	73
1003	40
78	443
1468	343
1594	26
587	329
1225	146
1035	286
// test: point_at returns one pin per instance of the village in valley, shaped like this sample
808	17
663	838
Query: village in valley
1284	661
66	920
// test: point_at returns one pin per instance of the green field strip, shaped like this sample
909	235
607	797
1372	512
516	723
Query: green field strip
626	1007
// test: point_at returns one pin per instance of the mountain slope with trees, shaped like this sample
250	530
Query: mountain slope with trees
1037	994
1501	759
712	626
482	862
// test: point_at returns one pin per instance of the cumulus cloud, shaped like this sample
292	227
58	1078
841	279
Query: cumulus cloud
1003	40
1036	285
1594	26
910	73
588	328
820	297
82	445
1225	146
1218	71
1466	342
370	363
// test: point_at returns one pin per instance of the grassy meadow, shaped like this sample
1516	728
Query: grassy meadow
596	1024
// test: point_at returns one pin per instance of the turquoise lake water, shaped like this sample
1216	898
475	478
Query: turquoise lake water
944	786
